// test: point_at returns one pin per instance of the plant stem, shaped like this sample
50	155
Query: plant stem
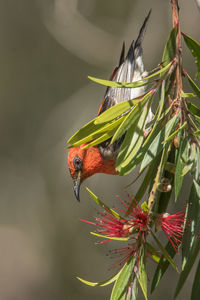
178	55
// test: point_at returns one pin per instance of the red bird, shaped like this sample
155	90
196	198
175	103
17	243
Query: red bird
84	163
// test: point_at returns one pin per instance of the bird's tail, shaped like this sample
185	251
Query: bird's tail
130	69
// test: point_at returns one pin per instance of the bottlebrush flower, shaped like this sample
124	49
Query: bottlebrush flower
123	254
172	225
111	226
136	221
138	218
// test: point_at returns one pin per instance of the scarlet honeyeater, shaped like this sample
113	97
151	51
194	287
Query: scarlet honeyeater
84	163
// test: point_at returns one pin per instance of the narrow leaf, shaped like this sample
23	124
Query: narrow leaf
161	104
197	133
122	281
162	267
102	283
178	178
192	222
131	118
146	182
96	132
174	133
111	237
104	137
196	284
156	146
188	266
194	110
103	205
118	84
164	251
140	155
187	95
194	47
195	88
83	132
137	138
142	270
191	243
120	108
135	84
169	51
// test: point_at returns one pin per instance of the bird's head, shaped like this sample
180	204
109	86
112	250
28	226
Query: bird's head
84	163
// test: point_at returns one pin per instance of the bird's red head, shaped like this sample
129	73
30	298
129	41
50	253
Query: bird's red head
84	163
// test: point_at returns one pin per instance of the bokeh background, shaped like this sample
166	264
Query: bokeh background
47	49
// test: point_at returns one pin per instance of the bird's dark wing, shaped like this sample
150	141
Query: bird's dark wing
130	69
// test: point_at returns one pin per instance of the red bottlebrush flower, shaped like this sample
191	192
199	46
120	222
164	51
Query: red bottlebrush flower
136	221
172	225
111	226
138	218
123	254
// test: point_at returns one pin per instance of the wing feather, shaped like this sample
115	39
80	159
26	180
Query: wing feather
130	69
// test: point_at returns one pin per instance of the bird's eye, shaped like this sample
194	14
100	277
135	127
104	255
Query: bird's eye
77	163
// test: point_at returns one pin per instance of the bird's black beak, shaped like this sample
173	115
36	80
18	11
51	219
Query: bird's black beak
77	184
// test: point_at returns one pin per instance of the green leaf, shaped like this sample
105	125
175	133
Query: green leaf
137	139
83	132
146	181
134	291
170	47
188	266
178	178
142	270
192	222
164	251
162	267
194	110
160	108
196	284
103	205
156	146
135	84
100	134
187	159
116	84
191	244
174	133
122	281
153	252
140	155
131	118
187	95
194	47
104	137
111	237
125	145
91	132
102	283
197	166
186	169
120	108
195	88
197	133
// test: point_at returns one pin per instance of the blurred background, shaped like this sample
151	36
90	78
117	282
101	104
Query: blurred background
47	50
